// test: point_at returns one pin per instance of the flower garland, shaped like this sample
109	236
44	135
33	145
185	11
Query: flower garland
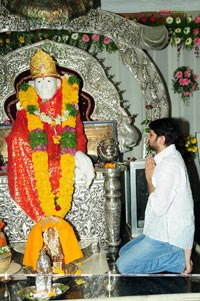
185	82
184	30
145	123
92	43
53	203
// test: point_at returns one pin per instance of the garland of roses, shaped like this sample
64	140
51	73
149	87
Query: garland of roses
184	82
60	203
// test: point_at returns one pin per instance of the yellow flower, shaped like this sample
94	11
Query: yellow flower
34	122
80	281
28	97
71	121
1	41
56	139
57	270
8	41
21	40
194	140
51	294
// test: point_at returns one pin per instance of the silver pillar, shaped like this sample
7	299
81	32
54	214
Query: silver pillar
112	195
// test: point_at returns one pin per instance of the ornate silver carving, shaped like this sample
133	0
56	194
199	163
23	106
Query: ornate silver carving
95	81
131	38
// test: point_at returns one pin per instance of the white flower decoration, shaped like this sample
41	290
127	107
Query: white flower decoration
186	30
178	30
178	20
177	41
169	20
188	41
74	36
65	38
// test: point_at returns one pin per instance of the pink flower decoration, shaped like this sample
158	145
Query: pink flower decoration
197	20
106	40
184	81
95	37
186	93
6	122
85	38
187	74
195	31
179	74
194	86
197	41
4	168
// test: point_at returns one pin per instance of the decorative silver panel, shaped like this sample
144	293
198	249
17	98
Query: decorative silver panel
131	38
86	215
95	81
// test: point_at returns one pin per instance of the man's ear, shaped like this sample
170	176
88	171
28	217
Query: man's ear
162	139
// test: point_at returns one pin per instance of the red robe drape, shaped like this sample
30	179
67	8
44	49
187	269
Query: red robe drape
21	179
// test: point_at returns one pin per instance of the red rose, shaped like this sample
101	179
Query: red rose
57	208
152	19
143	19
149	107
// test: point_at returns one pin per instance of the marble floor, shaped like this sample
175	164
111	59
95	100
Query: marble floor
99	270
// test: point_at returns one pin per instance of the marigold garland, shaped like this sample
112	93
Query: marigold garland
60	203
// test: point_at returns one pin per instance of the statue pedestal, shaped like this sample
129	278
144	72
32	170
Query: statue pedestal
95	213
86	215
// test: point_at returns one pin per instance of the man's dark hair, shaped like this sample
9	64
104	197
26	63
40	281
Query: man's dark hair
167	127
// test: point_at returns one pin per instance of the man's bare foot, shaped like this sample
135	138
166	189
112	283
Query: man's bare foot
188	268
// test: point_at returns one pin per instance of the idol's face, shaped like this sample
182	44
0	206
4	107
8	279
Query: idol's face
46	87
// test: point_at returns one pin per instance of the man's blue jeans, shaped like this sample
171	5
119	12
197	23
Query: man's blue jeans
144	255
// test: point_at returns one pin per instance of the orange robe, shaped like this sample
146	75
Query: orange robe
68	240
